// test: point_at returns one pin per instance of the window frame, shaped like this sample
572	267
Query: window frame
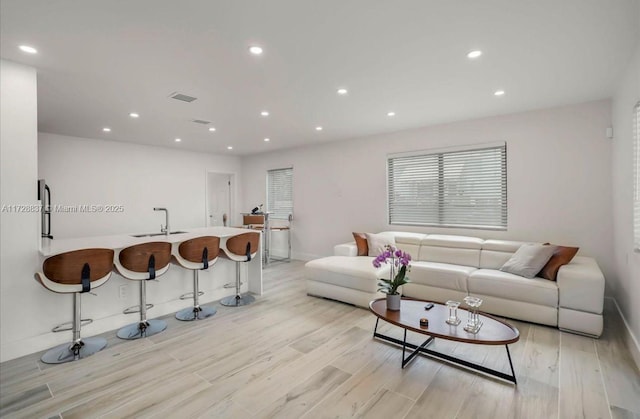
635	215
441	151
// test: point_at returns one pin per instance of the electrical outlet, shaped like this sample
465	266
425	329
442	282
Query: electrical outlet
122	292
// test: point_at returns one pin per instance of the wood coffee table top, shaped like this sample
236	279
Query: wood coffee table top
493	331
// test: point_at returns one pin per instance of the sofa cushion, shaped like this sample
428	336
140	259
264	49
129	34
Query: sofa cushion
528	260
456	250
561	256
378	242
345	271
441	275
513	287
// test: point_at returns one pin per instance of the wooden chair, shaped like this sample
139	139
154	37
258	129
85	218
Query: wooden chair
197	254
240	248
143	262
76	272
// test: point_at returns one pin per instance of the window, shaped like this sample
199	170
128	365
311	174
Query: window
636	177
450	188
280	193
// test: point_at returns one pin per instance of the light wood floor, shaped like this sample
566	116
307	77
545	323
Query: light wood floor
293	356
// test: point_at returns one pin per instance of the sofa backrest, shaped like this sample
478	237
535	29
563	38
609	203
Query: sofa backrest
496	252
408	242
457	250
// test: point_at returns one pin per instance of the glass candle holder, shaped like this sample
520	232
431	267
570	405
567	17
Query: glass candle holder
453	318
473	320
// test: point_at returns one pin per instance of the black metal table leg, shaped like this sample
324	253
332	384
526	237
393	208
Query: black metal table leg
422	349
513	373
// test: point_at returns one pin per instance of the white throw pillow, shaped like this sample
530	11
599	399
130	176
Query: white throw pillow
378	242
528	260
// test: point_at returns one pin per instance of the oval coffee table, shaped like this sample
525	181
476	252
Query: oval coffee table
492	332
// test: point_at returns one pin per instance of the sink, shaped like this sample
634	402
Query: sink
158	234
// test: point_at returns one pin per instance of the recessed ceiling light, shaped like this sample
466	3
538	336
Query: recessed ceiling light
229	148
178	140
134	115
474	54
212	129
318	128
342	91
264	113
266	140
391	113
106	129
255	50
499	92
28	49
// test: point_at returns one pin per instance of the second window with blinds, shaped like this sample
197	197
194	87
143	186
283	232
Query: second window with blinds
457	187
280	193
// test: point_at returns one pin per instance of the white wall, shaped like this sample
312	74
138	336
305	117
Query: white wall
18	177
559	180
626	289
88	171
138	177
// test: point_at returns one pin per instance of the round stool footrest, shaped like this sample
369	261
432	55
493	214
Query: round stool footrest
69	325
190	295
62	327
135	309
232	284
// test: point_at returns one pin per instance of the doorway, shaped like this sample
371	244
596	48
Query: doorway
220	187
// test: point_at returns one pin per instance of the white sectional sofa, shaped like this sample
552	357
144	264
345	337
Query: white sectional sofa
446	267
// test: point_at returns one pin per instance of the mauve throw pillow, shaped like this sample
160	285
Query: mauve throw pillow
561	256
528	260
361	242
378	242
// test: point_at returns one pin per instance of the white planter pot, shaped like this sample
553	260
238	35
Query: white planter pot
393	302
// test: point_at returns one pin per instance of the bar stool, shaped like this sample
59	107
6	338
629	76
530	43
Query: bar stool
143	262
197	254
75	272
240	248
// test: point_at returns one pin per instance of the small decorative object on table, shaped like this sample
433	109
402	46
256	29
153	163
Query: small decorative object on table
473	322
453	318
400	262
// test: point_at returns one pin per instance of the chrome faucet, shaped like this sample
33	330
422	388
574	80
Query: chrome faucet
164	229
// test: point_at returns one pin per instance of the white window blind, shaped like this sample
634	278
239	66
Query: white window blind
636	177
455	188
280	193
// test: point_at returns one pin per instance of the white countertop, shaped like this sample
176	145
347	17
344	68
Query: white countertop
120	241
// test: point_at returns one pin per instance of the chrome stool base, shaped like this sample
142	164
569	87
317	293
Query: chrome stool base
66	353
237	300
193	313
142	329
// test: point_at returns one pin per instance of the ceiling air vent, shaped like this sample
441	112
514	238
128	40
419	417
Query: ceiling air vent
201	121
182	97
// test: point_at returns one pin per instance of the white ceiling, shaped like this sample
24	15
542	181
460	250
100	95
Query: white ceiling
100	60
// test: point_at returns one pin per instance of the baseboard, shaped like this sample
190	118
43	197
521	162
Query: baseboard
629	338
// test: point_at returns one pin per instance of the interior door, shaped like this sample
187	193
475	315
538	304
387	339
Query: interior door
219	198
